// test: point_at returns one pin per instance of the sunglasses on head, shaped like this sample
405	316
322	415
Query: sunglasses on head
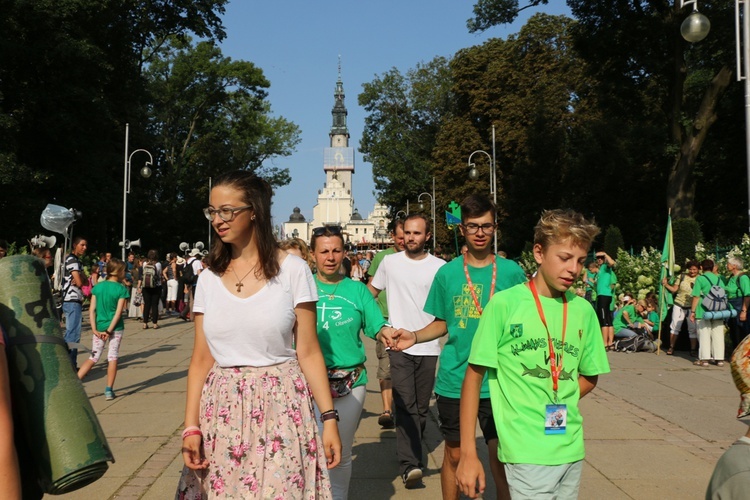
331	230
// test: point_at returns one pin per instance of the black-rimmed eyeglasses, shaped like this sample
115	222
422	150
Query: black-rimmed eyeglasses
225	213
472	228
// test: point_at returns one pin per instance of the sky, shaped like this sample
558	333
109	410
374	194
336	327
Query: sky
297	44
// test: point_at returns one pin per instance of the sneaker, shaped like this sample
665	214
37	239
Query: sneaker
109	395
413	478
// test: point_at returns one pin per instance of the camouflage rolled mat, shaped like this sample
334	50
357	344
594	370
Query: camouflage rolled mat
58	437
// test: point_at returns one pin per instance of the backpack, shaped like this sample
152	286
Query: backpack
716	298
149	276
188	273
642	342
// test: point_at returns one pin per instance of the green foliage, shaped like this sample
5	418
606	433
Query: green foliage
74	72
489	13
663	115
686	234
613	241
532	88
405	112
637	274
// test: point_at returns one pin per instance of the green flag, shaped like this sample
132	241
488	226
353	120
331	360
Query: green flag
667	271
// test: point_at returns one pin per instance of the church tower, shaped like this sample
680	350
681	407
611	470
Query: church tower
335	203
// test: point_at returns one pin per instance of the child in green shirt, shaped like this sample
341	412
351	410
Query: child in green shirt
108	299
542	348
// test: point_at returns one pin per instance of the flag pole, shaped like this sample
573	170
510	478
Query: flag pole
667	264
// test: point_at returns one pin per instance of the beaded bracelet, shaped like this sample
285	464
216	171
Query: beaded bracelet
191	431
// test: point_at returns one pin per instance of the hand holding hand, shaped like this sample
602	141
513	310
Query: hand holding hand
387	337
404	339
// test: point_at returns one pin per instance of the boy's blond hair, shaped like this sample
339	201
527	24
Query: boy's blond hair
559	225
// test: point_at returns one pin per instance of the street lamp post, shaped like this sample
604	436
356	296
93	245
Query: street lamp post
696	27
145	172
432	211
474	175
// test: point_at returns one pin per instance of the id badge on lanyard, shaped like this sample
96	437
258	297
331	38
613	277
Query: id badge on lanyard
555	415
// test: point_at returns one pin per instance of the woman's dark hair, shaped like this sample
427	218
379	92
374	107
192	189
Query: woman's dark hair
152	256
256	192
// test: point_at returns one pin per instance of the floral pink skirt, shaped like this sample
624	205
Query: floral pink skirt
260	437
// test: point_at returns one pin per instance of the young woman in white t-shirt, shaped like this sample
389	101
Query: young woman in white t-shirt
250	429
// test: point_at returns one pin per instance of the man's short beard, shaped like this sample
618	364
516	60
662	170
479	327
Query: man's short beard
419	251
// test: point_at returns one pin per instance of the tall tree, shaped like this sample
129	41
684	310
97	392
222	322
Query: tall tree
667	94
209	115
533	88
405	112
70	78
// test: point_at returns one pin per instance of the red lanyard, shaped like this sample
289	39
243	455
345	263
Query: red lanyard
552	359
471	285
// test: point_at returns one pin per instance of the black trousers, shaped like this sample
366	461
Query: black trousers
413	379
151	298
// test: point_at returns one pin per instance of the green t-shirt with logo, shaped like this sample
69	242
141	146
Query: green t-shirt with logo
511	342
340	320
737	287
604	281
108	294
620	322
382	299
450	299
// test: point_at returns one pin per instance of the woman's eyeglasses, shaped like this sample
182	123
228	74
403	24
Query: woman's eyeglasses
225	213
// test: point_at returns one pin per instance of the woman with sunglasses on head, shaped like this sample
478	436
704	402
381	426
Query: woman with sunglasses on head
250	429
345	307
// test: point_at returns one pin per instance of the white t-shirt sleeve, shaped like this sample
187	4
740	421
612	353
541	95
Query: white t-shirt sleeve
379	280
199	300
197	266
301	281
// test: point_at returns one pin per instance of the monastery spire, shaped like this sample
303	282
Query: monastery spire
339	112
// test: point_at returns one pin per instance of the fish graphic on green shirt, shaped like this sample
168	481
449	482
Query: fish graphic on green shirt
537	372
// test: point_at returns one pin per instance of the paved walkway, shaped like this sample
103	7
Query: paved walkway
654	427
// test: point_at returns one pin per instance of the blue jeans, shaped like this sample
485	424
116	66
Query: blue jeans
73	317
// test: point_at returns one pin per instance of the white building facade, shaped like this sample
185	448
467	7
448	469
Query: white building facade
335	206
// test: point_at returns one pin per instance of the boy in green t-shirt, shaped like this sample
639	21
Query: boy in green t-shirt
542	348
458	295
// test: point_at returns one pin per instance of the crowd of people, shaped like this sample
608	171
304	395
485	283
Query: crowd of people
276	382
625	317
278	361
